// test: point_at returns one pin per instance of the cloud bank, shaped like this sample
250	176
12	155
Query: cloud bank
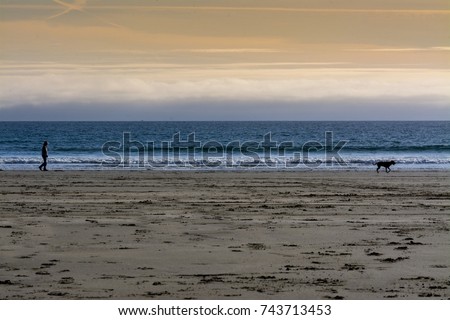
64	86
270	94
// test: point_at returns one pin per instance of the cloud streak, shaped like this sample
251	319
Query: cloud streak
234	8
402	49
79	5
231	50
276	9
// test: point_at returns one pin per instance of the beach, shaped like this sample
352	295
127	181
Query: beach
147	234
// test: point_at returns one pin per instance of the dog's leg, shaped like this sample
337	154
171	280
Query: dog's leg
378	170
387	168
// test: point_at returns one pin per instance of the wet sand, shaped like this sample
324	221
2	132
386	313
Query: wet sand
224	235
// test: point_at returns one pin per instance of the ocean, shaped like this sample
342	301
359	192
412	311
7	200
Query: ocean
271	145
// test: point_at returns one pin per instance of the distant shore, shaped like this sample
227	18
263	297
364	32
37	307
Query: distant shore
323	234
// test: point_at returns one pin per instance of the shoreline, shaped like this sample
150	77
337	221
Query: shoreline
224	234
243	169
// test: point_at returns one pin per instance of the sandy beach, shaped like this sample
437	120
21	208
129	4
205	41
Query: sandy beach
224	235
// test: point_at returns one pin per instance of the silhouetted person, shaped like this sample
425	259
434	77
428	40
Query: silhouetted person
44	157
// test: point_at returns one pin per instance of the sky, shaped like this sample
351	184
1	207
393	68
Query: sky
224	60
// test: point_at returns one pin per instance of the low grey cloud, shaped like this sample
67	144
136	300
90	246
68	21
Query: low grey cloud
195	110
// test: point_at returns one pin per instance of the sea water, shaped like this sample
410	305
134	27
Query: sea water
271	145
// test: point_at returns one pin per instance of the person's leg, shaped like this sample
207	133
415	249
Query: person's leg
45	164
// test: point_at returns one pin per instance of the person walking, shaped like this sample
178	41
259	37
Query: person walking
43	166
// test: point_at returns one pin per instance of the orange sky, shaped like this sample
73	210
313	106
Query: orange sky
145	52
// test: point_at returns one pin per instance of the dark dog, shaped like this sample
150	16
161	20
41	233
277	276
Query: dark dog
385	164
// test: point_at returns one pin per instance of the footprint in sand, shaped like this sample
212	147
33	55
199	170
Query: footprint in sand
66	280
257	246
